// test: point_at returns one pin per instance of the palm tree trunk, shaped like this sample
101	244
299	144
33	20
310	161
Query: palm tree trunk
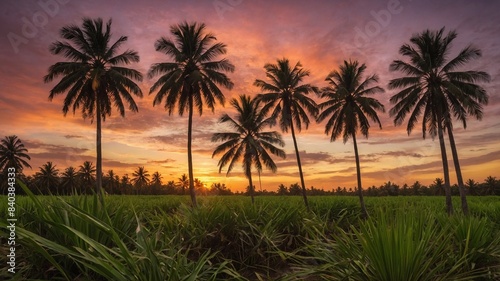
190	155
249	175
458	171
447	189
364	213
304	195
99	151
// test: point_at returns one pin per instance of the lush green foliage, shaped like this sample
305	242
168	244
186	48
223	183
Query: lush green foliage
226	238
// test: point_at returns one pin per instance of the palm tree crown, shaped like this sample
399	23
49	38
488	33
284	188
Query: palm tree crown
349	104
433	86
13	154
248	142
192	78
141	177
286	95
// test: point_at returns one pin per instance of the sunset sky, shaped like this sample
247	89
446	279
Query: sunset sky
319	34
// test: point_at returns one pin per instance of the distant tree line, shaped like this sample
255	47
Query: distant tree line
49	180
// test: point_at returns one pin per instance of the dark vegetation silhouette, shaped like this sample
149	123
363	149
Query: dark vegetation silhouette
94	78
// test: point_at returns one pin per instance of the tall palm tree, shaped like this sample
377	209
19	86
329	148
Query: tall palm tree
183	183
248	142
348	107
433	85
192	77
86	175
47	178
13	154
94	78
140	178
69	180
289	101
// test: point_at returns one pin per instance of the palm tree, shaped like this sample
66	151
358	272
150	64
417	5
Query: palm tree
94	77
435	87
156	180
13	154
125	183
47	178
472	186
349	107
69	179
111	181
86	174
490	184
247	142
183	183
289	101
141	178
192	78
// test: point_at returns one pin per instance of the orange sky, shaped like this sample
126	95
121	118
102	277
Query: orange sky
320	34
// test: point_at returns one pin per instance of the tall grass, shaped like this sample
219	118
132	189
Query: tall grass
227	238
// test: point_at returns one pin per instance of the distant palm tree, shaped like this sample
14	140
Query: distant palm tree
111	182
47	178
247	141
125	183
490	185
93	77
472	186
183	183
349	107
69	180
199	186
289	101
156	180
435	87
192	78
13	154
86	174
140	178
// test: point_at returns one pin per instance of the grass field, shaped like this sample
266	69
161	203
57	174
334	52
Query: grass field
226	238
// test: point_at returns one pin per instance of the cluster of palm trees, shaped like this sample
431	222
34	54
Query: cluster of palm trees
432	91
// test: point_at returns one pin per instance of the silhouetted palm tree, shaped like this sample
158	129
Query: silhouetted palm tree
288	99
434	87
349	107
247	142
13	154
183	183
140	178
111	182
94	78
156	180
192	78
86	174
47	178
490	185
69	180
